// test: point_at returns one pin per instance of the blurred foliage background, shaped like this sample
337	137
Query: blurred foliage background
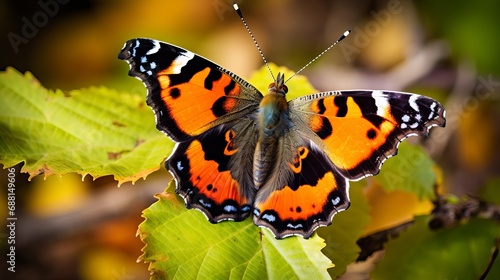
74	229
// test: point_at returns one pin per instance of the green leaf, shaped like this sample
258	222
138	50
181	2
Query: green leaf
346	229
462	252
491	191
411	171
93	131
295	257
182	244
297	86
457	22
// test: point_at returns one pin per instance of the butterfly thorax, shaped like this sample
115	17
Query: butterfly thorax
273	120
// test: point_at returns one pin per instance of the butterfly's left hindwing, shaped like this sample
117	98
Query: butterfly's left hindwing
304	192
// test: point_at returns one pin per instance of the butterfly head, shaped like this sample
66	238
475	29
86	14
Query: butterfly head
279	86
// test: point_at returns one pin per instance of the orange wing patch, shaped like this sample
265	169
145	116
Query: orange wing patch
366	140
201	168
353	138
360	129
313	194
205	176
194	104
300	204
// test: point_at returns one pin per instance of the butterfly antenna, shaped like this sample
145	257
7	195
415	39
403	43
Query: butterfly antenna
342	37
237	9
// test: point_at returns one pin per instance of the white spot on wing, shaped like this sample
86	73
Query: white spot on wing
403	126
381	102
413	102
135	47
179	166
155	49
336	201
256	212
405	118
294	226
432	107
181	61
269	218
206	204
414	125
230	208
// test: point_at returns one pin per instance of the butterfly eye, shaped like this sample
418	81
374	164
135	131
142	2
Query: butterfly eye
282	88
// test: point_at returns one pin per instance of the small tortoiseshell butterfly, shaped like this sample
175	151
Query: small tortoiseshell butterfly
288	163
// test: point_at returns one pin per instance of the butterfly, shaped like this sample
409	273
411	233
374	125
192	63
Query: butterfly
288	164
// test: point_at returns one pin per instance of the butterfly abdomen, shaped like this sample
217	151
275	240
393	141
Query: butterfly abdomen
263	161
273	121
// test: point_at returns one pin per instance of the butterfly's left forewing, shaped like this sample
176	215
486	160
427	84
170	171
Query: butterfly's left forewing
360	129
